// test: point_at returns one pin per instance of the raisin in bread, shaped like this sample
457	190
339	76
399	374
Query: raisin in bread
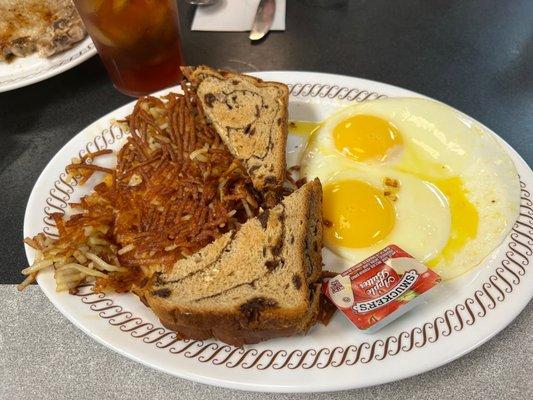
259	282
250	116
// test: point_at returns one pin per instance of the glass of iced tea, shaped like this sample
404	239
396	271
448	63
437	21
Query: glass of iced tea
138	41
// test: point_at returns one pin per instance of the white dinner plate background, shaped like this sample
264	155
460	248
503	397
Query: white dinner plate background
24	71
461	316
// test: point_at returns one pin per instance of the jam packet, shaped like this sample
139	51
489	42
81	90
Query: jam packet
379	289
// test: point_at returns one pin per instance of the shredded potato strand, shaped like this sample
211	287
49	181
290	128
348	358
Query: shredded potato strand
175	188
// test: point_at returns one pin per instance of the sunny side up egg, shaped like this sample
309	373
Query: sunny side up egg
415	173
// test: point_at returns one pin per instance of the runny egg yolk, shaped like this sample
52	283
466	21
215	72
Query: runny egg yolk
366	137
357	214
465	218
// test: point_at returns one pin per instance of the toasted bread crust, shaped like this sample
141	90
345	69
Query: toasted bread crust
251	117
256	319
235	329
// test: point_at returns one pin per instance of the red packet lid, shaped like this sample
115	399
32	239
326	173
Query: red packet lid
381	288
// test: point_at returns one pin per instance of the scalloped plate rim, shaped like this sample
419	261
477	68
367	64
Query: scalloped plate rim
239	381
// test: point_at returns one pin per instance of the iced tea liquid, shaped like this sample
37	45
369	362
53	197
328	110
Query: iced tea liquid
138	41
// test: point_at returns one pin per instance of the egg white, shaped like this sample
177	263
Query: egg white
446	144
422	230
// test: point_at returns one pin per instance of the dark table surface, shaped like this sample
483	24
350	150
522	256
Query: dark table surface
475	55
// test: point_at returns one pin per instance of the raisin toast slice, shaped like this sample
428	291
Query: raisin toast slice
250	116
259	282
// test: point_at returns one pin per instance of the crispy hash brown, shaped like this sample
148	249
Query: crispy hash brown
175	188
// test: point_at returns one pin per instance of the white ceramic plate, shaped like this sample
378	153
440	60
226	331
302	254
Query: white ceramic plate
27	70
470	310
